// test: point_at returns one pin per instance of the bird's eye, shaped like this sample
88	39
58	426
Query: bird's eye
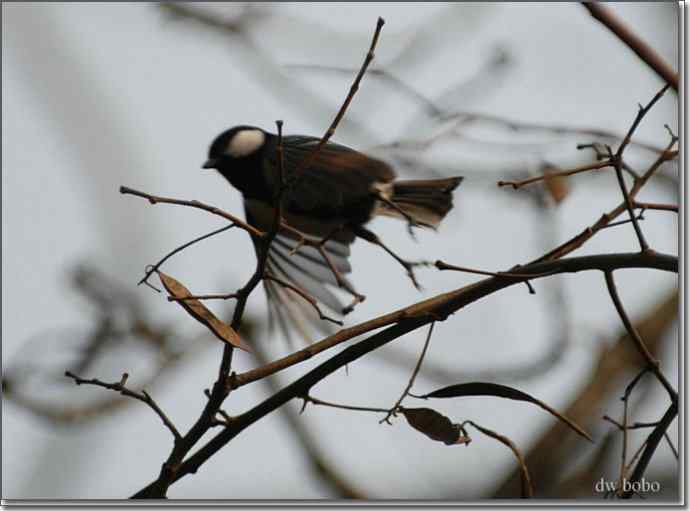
245	143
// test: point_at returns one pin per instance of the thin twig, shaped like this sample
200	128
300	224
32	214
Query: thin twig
585	168
527	490
229	296
392	411
652	363
670	444
577	241
636	455
656	206
623	222
153	199
624	449
154	268
636	425
306	163
652	443
441	265
627	200
313	400
142	396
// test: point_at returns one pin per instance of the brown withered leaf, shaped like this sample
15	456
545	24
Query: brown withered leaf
202	314
494	389
434	425
557	186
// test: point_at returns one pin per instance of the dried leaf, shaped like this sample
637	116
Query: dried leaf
202	314
558	187
493	389
434	425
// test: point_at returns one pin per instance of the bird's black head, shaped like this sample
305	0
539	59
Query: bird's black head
235	144
237	154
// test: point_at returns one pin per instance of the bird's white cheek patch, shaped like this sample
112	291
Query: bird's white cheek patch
245	142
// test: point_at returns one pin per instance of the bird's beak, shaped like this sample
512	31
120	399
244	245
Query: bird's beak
211	163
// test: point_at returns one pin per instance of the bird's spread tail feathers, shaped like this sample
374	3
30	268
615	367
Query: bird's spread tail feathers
426	201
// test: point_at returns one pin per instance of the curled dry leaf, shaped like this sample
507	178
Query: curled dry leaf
494	389
557	186
202	314
434	425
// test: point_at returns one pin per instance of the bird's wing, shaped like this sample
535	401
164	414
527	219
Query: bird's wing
335	178
305	268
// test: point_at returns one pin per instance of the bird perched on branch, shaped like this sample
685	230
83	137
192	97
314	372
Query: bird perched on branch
327	196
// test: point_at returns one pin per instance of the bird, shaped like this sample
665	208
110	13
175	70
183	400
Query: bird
328	192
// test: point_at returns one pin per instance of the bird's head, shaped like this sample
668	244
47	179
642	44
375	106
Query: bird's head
233	145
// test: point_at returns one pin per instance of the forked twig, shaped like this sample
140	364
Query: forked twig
142	396
393	410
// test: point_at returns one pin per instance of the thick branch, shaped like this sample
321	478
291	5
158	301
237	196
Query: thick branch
431	305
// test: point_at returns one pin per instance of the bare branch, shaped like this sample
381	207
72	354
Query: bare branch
311	399
153	199
562	173
527	490
651	205
306	163
652	363
142	396
413	377
154	268
651	445
440	306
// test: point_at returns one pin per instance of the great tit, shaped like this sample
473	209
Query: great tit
332	197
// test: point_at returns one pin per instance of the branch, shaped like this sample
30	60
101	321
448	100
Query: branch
563	173
579	240
652	363
406	320
652	443
417	367
604	15
311	399
154	268
220	390
262	241
306	163
527	490
153	199
437	307
144	397
651	205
